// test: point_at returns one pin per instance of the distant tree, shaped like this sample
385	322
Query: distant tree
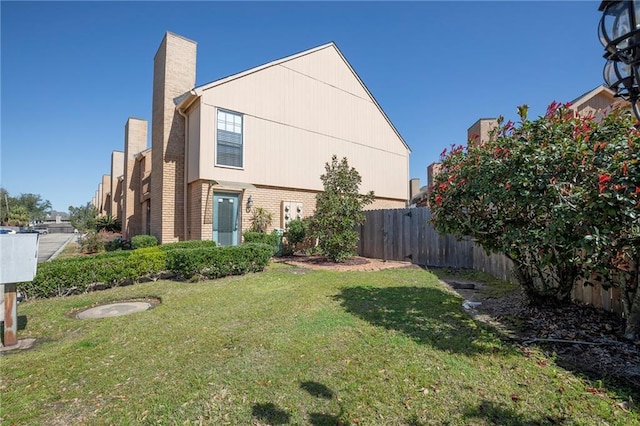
4	211
339	210
83	218
19	211
35	205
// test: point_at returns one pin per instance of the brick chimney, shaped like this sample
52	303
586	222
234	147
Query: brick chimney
117	170
479	131
135	141
174	73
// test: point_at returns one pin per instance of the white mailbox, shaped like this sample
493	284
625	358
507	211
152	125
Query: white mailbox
18	257
18	263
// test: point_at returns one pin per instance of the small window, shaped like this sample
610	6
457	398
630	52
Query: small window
229	139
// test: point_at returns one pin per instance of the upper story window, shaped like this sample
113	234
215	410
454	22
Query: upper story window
229	139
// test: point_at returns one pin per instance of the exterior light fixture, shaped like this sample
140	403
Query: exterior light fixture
619	33
249	204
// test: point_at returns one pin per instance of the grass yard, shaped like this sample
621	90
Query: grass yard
289	346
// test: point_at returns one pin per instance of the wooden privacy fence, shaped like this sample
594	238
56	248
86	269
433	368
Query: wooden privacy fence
407	235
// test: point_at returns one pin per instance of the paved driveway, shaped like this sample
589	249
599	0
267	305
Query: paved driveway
50	244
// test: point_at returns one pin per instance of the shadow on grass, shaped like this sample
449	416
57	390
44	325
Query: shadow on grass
321	391
497	414
271	414
427	315
317	389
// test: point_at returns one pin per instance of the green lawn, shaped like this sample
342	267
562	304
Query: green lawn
288	346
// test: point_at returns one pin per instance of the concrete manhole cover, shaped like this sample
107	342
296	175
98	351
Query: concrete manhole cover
114	310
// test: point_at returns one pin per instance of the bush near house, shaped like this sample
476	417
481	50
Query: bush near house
339	210
202	262
273	239
261	219
297	236
79	274
140	241
189	259
189	244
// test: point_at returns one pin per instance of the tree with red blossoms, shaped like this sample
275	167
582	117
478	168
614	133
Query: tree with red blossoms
559	196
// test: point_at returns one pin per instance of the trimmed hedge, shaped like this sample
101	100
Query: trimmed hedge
274	239
202	262
188	259
189	244
142	241
63	276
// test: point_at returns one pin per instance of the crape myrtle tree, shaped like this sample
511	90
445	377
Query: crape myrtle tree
339	210
559	196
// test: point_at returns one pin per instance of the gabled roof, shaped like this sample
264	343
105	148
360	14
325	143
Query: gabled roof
184	101
585	97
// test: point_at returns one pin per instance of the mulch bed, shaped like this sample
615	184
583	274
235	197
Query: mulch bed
323	261
584	339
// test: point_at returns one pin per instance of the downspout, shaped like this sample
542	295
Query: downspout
186	170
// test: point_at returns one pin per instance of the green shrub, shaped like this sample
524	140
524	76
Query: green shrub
147	261
91	243
205	262
189	259
274	239
108	223
339	209
116	244
189	244
296	236
141	241
261	219
60	276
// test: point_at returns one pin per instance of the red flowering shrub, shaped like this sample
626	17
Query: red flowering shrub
559	195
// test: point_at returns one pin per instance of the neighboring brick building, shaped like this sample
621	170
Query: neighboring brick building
259	138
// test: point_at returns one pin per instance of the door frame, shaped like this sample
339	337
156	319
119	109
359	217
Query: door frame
236	196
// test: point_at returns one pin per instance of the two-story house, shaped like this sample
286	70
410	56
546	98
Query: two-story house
259	138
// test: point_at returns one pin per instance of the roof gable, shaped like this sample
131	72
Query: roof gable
337	73
600	91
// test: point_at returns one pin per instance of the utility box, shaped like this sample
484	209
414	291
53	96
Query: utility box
18	263
291	210
18	257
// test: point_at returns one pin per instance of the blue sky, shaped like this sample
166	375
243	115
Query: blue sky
72	73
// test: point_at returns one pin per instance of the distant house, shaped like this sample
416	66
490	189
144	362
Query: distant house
596	102
56	217
259	138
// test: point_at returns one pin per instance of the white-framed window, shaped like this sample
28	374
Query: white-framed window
229	151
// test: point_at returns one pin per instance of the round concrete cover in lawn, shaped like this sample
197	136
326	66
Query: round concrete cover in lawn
114	310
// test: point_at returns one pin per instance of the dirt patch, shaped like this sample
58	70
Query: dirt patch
583	339
355	263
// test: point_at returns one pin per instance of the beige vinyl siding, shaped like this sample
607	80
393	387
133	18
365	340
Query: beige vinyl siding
597	103
296	116
324	66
